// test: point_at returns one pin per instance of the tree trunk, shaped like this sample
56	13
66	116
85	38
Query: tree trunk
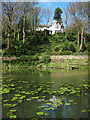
18	32
82	35
24	29
33	22
14	32
78	40
84	41
81	41
8	44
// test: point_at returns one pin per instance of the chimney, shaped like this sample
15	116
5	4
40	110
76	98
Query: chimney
50	22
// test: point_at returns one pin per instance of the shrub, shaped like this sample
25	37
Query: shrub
72	47
45	59
65	53
54	53
29	58
61	53
86	52
56	48
33	59
64	47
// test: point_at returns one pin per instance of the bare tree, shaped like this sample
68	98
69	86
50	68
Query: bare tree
26	7
66	16
7	11
47	15
78	11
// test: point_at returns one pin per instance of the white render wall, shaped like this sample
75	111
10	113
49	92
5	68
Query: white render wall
55	27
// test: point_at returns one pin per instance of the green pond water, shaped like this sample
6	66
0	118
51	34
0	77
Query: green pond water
48	94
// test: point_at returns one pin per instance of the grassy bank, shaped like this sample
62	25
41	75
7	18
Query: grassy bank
67	64
46	62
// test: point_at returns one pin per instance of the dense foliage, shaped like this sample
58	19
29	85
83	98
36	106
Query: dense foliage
57	44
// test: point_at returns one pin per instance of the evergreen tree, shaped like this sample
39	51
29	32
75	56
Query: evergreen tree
57	15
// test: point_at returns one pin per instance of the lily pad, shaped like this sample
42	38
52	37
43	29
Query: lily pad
13	116
49	103
68	104
17	95
28	99
62	93
84	111
47	86
12	85
14	98
86	94
58	101
22	97
73	92
32	81
88	110
23	92
39	89
85	85
42	96
5	90
55	105
14	104
13	110
9	113
78	94
47	108
78	91
5	100
20	81
42	106
40	113
27	93
12	88
75	103
70	101
52	108
83	80
32	92
46	114
77	88
20	87
7	105
36	92
20	101
35	97
44	91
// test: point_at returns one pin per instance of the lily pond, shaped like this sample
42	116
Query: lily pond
45	94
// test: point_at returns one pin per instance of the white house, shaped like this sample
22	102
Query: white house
52	27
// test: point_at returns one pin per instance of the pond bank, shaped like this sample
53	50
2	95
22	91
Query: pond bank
56	62
64	57
53	57
67	62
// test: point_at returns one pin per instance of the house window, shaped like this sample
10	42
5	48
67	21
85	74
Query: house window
50	32
57	26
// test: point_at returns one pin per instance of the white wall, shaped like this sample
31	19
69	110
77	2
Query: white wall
55	27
